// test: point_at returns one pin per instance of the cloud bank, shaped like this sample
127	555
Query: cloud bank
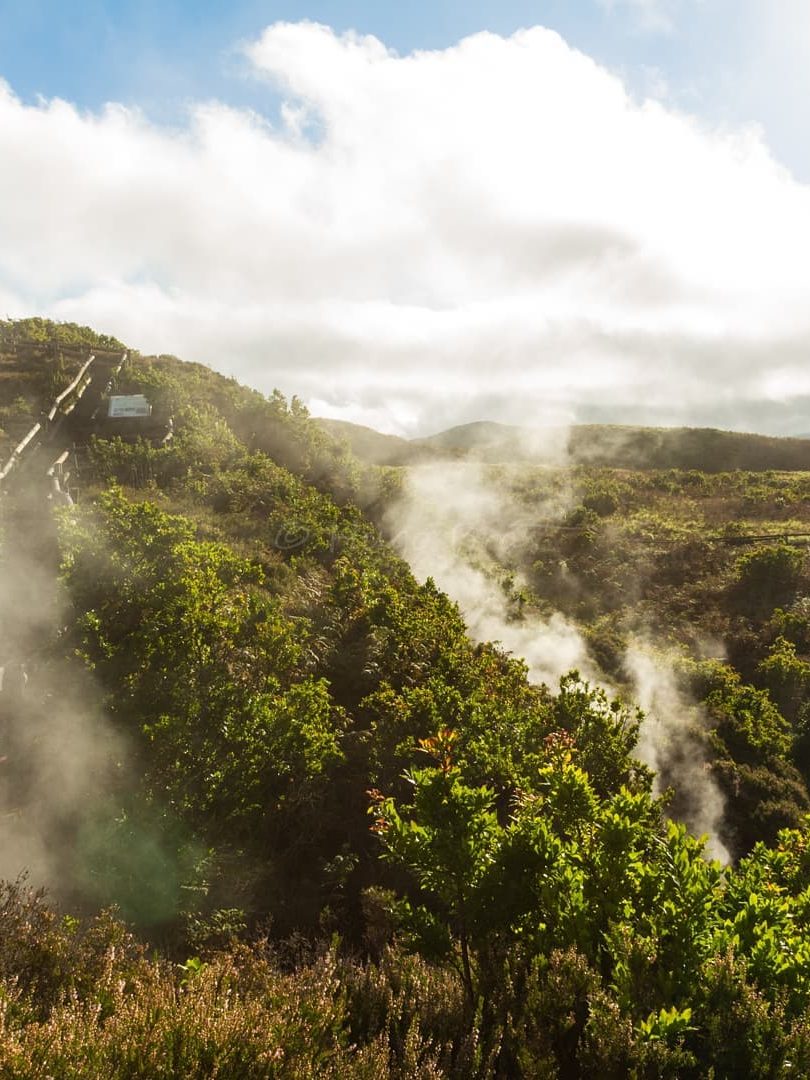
496	230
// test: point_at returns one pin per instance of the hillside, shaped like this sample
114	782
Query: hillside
685	448
344	833
37	360
609	445
372	446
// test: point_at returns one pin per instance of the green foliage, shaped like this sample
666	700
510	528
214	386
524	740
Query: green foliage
652	920
746	719
768	577
206	665
197	397
521	906
605	734
19	332
787	677
794	623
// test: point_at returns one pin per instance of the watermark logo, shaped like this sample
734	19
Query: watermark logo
291	536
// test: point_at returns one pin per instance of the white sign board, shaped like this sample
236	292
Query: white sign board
128	405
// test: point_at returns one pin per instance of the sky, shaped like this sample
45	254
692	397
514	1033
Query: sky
416	215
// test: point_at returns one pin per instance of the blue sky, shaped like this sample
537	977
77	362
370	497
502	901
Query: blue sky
729	61
148	51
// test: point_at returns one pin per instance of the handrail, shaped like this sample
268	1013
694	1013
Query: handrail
76	389
18	449
69	389
60	461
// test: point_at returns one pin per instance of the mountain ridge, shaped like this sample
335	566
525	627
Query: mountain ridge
613	445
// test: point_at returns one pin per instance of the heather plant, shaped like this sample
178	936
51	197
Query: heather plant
46	957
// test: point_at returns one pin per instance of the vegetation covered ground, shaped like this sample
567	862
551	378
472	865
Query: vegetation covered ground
333	836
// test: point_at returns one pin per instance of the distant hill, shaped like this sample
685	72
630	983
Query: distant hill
487	441
613	445
707	449
374	447
480	435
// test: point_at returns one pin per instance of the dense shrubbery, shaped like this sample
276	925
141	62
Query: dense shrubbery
662	554
28	334
320	754
577	938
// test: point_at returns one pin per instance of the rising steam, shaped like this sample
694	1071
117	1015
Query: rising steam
65	778
62	756
669	744
456	524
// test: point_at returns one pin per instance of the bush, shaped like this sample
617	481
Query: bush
768	577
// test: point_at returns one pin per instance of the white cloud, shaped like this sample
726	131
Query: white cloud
496	229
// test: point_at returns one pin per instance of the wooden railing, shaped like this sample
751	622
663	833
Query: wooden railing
19	450
69	390
62	407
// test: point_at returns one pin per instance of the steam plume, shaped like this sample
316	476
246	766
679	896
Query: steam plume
668	745
61	753
453	524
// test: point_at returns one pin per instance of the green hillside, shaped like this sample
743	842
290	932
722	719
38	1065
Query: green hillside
295	822
373	447
609	445
685	448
